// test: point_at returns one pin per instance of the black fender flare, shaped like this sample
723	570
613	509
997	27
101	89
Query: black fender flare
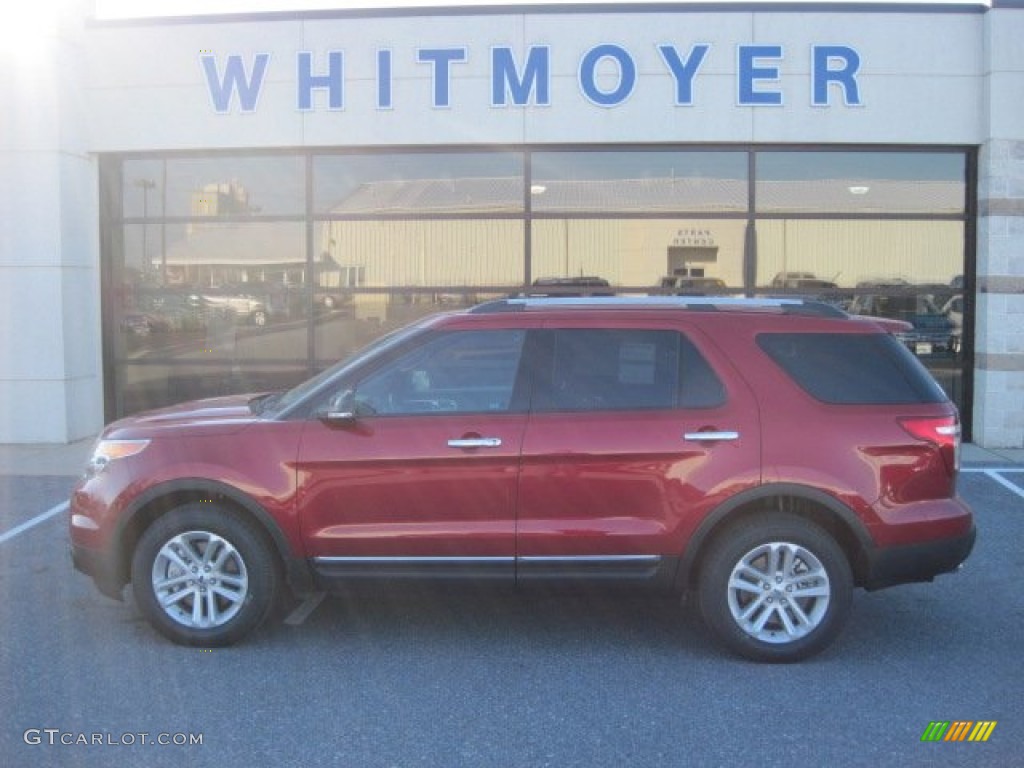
721	514
296	569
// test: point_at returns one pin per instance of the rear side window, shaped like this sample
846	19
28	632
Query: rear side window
624	369
852	369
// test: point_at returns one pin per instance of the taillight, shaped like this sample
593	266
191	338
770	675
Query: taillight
943	432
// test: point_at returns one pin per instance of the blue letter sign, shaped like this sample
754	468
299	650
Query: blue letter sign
235	79
588	75
684	70
333	81
441	58
749	72
505	78
844	75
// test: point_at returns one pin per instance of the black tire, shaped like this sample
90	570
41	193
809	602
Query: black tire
204	576
791	578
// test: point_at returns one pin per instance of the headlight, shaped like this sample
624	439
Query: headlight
107	451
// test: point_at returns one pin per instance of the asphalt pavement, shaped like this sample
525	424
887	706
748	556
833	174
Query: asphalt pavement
494	677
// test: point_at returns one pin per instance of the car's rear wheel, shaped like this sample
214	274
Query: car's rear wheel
775	588
203	576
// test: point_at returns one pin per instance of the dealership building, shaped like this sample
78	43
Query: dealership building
207	205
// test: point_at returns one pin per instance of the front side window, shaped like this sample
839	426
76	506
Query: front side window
454	372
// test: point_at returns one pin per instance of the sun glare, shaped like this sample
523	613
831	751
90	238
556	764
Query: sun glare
26	29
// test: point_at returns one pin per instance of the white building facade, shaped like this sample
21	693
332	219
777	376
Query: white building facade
207	205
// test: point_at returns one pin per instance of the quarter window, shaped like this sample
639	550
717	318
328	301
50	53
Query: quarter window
852	369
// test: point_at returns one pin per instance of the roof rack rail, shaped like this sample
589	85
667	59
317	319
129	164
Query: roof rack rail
704	303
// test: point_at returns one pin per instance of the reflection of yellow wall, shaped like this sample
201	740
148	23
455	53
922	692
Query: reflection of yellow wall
850	251
634	252
435	253
368	306
629	252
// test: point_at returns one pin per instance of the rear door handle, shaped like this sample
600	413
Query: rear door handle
475	442
711	437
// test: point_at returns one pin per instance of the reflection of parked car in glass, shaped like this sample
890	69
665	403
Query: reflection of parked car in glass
172	312
932	330
572	286
331	299
682	285
243	306
802	281
135	324
954	310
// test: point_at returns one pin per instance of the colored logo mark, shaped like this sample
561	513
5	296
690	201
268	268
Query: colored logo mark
958	730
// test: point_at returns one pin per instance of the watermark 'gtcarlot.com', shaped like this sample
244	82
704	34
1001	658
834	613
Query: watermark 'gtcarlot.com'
56	737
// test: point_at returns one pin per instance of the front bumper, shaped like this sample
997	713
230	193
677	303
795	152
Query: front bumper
104	570
917	562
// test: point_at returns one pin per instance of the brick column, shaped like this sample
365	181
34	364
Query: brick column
999	361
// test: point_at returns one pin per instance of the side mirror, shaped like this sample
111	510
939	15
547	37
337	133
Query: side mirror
340	409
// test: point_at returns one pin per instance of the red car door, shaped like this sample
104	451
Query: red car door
422	478
633	437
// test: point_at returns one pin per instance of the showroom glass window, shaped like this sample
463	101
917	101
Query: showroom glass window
245	271
877	233
636	217
396	236
205	277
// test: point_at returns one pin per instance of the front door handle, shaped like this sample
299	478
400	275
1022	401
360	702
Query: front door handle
712	437
475	442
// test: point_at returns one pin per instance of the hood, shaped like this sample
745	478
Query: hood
219	415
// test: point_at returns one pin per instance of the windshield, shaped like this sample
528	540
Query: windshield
282	402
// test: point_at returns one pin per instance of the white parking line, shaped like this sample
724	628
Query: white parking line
1012	487
41	518
996	473
986	470
300	614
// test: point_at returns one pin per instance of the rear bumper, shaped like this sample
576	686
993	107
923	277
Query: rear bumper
917	562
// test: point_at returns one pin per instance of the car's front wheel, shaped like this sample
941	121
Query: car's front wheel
203	576
775	588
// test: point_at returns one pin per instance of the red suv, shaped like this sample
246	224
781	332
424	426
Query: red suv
765	456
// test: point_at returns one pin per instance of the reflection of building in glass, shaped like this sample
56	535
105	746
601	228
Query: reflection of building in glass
214	254
469	232
221	199
838	196
848	252
427	248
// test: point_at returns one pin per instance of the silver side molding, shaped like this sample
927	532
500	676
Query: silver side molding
710	437
475	442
